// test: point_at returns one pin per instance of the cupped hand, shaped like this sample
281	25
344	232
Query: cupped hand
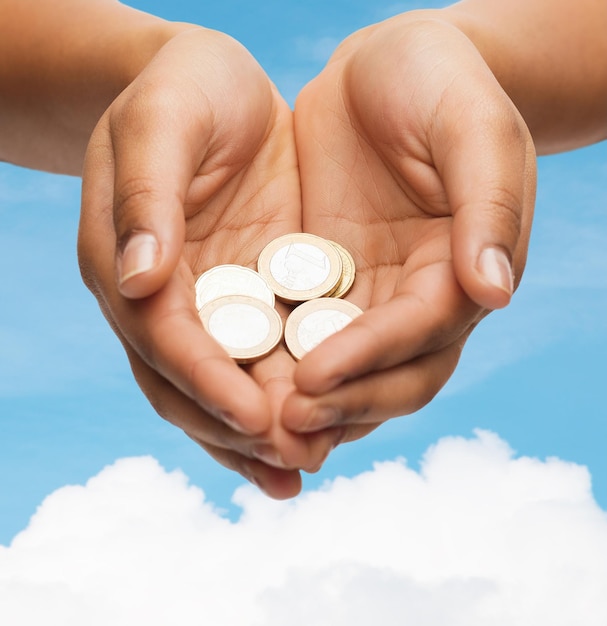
413	157
410	155
192	166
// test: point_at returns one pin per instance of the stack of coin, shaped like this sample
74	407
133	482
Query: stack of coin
236	307
304	268
300	267
313	321
347	274
231	280
236	303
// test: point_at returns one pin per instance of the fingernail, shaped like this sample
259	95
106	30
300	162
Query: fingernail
269	455
338	436
254	480
494	265
139	256
233	423
322	417
335	382
340	433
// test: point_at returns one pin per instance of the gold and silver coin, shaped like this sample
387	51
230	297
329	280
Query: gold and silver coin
246	327
231	280
313	321
300	267
348	272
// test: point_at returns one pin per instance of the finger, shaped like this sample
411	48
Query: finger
430	312
284	449
175	123
263	460
492	215
486	159
473	156
164	331
363	404
278	484
233	449
136	200
290	451
155	163
184	413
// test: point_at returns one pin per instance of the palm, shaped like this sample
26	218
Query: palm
399	235
370	176
252	205
258	202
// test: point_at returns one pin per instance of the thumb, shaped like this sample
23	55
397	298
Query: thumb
490	177
154	167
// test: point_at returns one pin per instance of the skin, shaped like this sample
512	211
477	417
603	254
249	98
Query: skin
424	176
154	142
226	199
562	48
51	96
188	165
416	195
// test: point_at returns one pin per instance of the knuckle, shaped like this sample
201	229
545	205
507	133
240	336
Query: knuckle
156	389
89	267
88	272
142	107
504	208
130	199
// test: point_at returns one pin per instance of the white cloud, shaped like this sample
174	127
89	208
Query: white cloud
476	537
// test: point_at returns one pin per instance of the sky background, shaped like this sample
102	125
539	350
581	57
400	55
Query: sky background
523	420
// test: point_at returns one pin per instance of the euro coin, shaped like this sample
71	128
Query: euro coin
246	327
312	322
300	267
231	280
348	272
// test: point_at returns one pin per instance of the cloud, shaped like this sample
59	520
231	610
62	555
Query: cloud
477	536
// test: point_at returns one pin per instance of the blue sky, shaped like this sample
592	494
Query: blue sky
535	374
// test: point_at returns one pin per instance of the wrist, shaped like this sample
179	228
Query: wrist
139	46
550	57
60	71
